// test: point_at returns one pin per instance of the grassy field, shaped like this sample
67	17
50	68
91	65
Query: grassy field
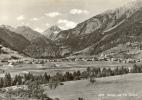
125	87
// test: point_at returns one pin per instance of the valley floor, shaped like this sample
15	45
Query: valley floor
54	67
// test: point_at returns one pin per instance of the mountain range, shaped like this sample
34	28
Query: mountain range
105	31
112	32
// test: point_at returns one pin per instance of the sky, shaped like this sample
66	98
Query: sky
41	14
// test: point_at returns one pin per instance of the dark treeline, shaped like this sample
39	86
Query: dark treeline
136	69
89	73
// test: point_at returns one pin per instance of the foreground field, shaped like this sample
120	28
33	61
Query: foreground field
125	87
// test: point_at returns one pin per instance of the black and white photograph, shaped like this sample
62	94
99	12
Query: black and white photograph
70	49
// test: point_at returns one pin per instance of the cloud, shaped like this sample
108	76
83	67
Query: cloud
78	11
35	19
38	29
66	24
53	14
19	18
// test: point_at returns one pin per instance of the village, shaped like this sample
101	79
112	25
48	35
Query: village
103	58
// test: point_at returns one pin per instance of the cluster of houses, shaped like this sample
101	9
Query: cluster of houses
86	59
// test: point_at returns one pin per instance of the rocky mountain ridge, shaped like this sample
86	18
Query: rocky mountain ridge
52	32
104	31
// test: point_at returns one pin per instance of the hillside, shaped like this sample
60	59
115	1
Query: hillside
9	39
8	54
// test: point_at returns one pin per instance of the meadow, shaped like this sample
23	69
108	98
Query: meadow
124	87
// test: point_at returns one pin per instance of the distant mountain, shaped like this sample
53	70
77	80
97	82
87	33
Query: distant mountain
27	32
52	32
41	46
24	39
104	31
